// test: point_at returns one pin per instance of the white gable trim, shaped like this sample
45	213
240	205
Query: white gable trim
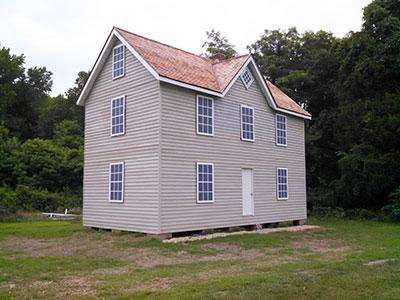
115	35
136	54
102	59
264	88
189	86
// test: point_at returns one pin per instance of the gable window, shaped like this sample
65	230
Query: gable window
247	123
281	130
282	183
247	78
118	116
205	182
118	61
116	188
205	115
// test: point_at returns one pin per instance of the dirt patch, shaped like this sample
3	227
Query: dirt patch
33	247
40	284
111	271
81	286
157	284
320	245
87	245
225	234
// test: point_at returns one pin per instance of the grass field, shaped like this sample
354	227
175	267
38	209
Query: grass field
342	260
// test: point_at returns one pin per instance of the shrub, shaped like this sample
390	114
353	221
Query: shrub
393	209
43	200
8	201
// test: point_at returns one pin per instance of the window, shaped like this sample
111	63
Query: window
118	115
118	61
116	182
205	115
247	78
282	183
280	125
205	182
247	123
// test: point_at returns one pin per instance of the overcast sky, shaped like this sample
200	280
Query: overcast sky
66	36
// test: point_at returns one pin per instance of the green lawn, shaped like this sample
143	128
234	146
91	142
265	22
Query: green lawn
342	260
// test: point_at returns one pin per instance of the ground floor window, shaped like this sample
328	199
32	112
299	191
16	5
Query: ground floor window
205	182
116	180
282	190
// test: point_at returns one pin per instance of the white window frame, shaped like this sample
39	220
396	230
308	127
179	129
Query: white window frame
276	130
247	85
197	115
123	115
123	61
277	184
122	181
241	123
197	183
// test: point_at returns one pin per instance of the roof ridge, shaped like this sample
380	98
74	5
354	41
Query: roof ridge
149	39
232	58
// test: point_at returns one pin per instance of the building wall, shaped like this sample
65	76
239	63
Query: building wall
181	148
138	148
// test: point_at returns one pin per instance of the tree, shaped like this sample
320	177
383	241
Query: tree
56	109
305	67
218	44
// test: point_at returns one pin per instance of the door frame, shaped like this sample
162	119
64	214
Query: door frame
251	193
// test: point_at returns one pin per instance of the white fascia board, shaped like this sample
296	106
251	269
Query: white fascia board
101	60
288	112
236	77
264	89
136	54
189	86
95	71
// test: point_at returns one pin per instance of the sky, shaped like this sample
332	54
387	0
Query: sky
67	36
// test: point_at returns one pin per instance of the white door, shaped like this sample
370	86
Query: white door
247	190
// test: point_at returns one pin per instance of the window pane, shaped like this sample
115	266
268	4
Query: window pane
205	181
116	181
204	115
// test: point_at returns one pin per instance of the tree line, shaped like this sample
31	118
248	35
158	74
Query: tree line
350	85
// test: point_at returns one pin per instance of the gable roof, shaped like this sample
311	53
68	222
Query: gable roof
179	67
284	101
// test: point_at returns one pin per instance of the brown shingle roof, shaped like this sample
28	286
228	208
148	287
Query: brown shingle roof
189	68
284	101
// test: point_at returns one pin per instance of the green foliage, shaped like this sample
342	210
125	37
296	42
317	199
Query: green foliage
35	173
8	201
218	44
351	87
393	209
43	200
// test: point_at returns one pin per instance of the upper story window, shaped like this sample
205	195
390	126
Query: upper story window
116	181
247	78
282	190
281	130
118	61
205	182
205	115
247	123
118	116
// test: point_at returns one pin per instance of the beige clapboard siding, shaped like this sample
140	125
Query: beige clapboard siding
181	148
138	148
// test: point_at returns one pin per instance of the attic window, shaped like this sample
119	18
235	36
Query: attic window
118	61
247	78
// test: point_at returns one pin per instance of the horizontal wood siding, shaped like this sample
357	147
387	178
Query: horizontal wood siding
181	148
138	148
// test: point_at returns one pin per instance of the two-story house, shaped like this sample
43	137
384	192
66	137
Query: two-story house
178	142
